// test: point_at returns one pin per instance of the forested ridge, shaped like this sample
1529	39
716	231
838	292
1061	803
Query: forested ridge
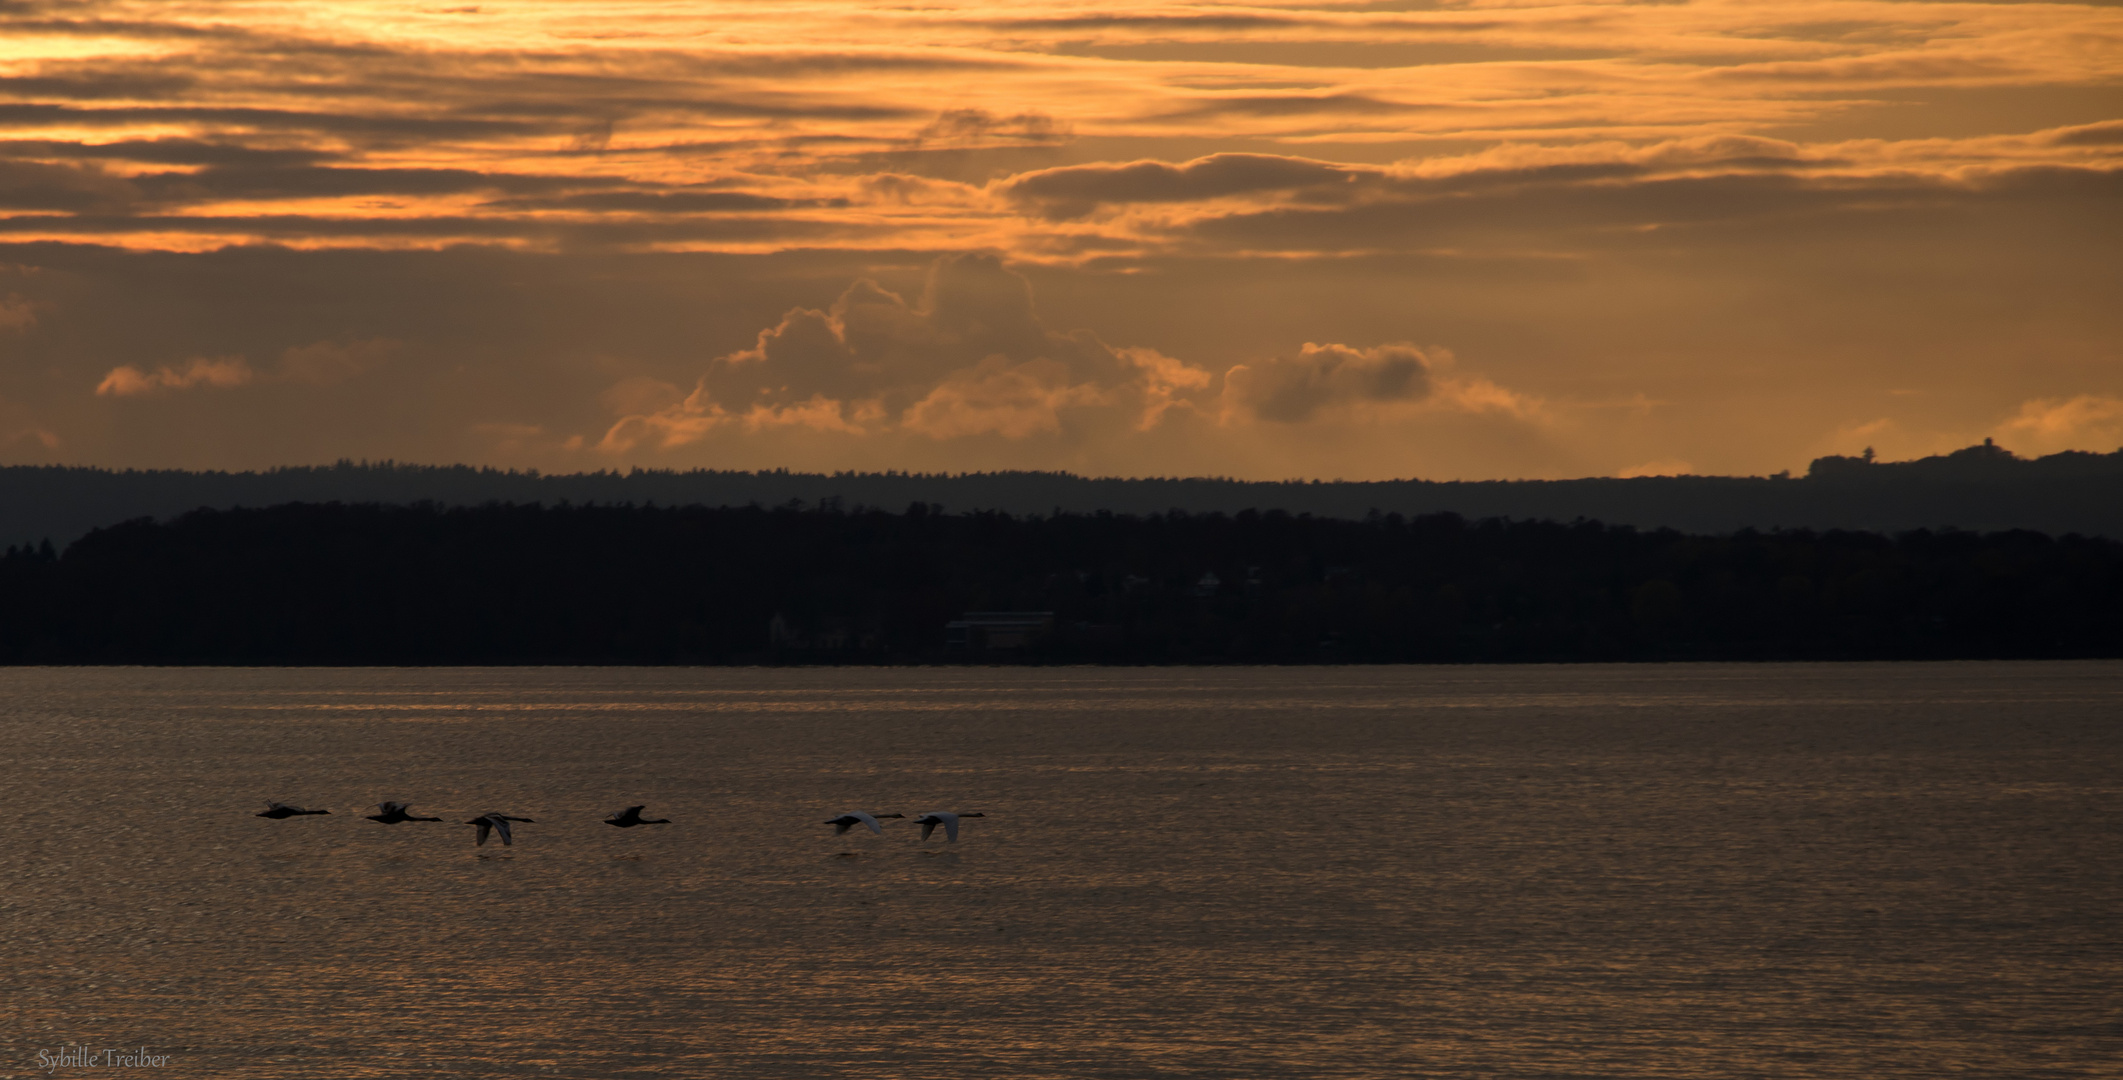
1980	487
504	584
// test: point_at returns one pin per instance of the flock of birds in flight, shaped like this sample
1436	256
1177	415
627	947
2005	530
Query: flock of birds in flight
497	823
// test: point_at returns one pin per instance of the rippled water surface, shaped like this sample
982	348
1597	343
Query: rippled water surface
1627	871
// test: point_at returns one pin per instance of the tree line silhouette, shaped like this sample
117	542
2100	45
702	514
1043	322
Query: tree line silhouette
1980	487
521	584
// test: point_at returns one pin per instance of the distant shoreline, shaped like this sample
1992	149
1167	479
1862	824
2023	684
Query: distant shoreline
946	665
1981	488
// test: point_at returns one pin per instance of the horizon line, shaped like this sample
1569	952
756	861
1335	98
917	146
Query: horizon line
391	464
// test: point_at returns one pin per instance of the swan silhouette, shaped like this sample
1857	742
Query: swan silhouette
630	817
852	818
496	821
949	821
391	813
280	810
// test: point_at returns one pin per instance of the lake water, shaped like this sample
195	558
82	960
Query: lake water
1612	871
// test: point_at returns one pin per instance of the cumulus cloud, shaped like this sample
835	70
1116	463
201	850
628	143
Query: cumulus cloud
1001	397
221	372
1481	397
1295	388
2049	425
1167	384
325	363
970	357
972	360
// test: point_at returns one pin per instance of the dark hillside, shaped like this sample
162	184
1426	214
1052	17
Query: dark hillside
340	584
1982	488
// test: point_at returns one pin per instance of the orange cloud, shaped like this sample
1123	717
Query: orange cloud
220	373
971	363
997	396
550	127
1599	201
969	358
325	363
2048	425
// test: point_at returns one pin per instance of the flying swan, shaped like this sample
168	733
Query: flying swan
496	821
949	821
630	817
391	813
852	818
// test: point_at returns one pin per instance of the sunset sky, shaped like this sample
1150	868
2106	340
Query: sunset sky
1270	239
